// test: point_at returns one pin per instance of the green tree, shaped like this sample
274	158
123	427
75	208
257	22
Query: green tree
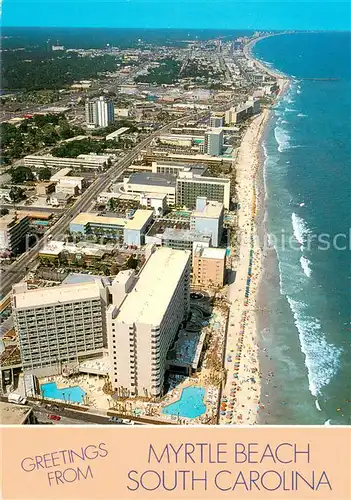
21	174
4	211
44	174
16	194
132	262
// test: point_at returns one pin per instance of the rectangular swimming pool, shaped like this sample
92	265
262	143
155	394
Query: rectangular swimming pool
73	394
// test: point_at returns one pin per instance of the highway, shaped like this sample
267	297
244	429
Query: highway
24	263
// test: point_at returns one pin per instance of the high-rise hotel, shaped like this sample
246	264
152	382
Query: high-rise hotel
136	317
143	321
99	112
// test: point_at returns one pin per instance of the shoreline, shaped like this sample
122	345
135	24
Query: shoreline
242	390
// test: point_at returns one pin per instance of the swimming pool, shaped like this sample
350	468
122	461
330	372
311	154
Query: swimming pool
190	405
69	394
227	252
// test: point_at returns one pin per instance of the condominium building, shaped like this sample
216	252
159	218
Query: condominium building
190	187
207	218
209	267
214	142
96	162
99	112
181	140
241	112
130	230
13	231
217	121
173	168
59	324
142	324
150	182
183	239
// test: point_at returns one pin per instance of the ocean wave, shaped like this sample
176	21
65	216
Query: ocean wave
305	264
299	91
321	358
284	122
301	115
317	405
290	110
300	229
283	139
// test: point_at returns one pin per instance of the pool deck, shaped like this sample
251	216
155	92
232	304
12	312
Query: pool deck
99	401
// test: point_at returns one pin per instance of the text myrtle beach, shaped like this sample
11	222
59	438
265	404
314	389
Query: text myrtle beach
286	467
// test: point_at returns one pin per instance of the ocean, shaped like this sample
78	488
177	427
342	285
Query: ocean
305	329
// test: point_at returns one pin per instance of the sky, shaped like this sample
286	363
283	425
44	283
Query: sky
199	14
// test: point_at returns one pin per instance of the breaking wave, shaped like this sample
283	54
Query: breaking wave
283	139
300	229
321	358
305	264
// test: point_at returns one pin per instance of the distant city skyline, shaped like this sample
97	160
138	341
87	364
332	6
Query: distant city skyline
188	14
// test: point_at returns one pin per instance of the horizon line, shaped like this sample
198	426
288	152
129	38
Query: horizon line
286	30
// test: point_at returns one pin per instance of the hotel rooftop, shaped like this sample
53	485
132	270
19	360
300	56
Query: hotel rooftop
153	291
211	210
24	298
152	179
137	220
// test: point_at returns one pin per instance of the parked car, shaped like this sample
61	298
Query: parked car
54	417
115	420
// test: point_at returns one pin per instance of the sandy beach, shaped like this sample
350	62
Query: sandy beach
241	395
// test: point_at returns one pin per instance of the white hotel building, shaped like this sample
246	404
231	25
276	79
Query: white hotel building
59	324
143	321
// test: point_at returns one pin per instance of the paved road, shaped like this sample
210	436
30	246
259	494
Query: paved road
68	417
26	261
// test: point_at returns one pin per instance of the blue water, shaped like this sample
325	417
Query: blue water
307	178
190	405
70	394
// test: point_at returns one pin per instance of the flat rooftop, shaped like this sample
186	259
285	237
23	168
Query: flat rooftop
40	297
151	295
10	220
61	173
78	278
184	235
160	226
137	221
152	179
213	253
200	158
97	159
181	165
53	248
12	414
212	210
118	132
203	180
